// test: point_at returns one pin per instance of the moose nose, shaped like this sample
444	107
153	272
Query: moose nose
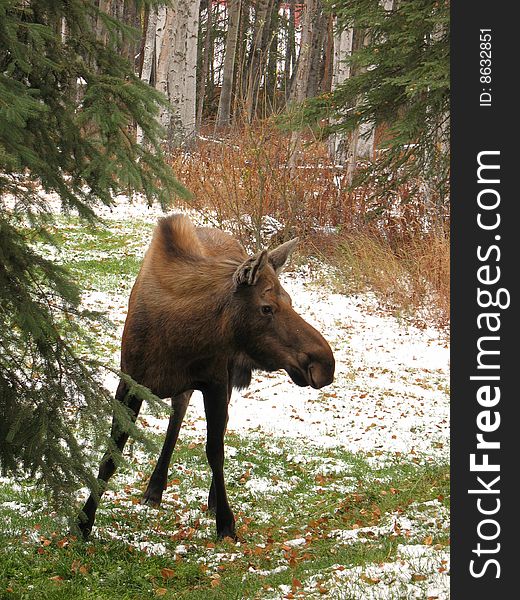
321	373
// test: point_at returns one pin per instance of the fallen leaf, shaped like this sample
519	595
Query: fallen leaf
167	573
369	580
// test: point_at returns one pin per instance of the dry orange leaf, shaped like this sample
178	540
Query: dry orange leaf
167	573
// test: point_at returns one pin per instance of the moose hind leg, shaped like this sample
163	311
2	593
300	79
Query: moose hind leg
216	407
157	484
107	468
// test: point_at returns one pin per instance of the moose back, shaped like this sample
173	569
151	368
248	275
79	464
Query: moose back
203	315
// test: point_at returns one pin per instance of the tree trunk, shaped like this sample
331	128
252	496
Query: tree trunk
271	81
224	104
255	60
341	72
105	6
290	50
176	48
319	33
148	65
355	144
326	82
301	83
204	67
241	61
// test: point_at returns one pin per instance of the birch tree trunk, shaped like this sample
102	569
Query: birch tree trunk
341	72
354	144
361	144
366	134
224	104
205	66
148	68
176	51
299	91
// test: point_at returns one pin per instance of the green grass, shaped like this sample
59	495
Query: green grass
40	560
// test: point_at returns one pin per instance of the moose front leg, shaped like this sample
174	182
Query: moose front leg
107	468
212	497
216	407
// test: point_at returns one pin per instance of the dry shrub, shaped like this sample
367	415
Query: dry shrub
413	277
244	183
249	174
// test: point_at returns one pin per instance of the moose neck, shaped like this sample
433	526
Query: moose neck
191	294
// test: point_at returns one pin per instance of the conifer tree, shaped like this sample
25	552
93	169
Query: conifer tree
82	147
400	83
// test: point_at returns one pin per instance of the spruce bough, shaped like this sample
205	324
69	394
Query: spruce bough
69	105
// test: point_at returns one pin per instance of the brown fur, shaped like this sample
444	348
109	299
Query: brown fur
202	315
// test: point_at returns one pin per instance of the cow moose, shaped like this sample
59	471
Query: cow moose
203	315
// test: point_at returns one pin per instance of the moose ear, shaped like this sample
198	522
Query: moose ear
247	273
278	257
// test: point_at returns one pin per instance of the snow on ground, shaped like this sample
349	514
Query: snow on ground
401	579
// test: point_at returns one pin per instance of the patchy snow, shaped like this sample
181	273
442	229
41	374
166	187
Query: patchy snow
265	486
420	521
404	578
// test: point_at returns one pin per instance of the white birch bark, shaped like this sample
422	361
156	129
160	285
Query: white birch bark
149	59
188	112
171	53
341	72
366	133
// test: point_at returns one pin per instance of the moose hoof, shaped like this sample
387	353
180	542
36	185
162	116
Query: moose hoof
227	534
152	497
82	528
227	531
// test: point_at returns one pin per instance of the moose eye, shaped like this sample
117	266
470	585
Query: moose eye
267	310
